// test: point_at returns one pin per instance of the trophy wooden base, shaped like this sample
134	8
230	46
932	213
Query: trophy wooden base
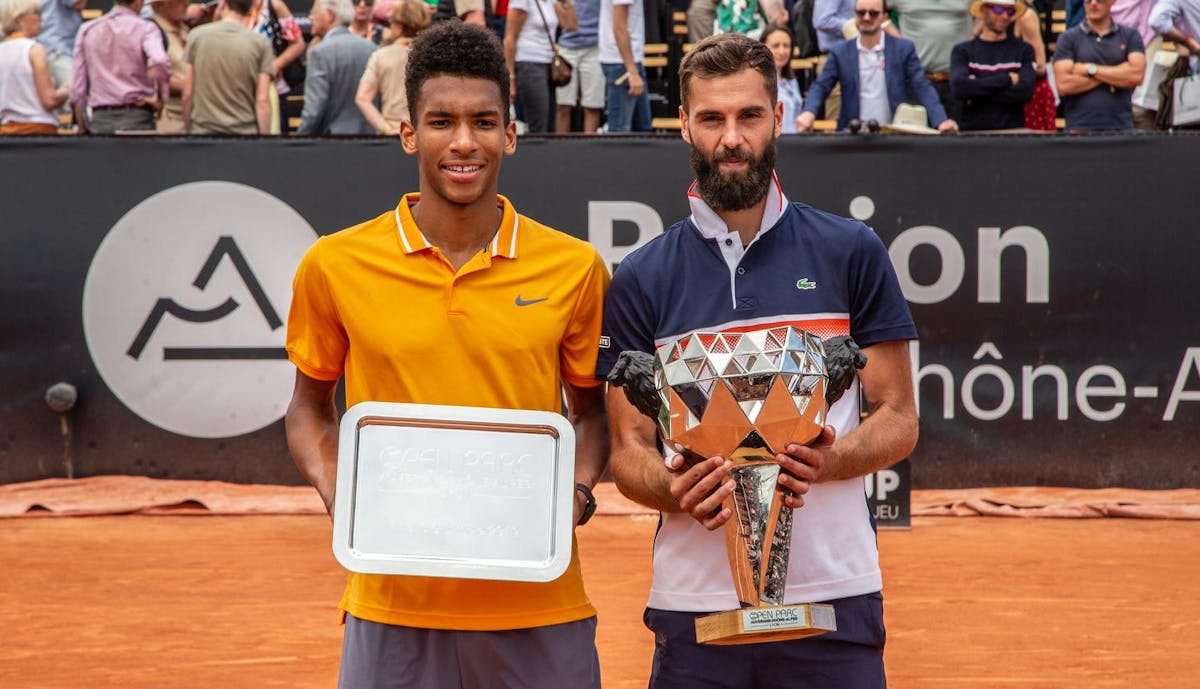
766	623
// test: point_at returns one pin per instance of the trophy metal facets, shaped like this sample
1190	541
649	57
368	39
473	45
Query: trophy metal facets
746	396
742	395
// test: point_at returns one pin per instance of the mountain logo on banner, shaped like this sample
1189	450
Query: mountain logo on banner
184	307
226	246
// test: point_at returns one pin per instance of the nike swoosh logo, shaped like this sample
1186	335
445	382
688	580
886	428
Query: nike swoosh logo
522	302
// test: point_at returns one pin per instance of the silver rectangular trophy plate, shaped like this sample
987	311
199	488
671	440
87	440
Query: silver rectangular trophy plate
446	491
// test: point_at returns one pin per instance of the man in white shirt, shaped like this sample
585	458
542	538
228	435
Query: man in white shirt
875	73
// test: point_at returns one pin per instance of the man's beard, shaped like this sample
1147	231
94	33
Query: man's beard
733	191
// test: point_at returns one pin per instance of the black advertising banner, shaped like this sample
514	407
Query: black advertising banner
1052	279
889	496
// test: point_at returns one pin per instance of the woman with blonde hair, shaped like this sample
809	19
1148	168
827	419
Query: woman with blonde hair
27	94
385	69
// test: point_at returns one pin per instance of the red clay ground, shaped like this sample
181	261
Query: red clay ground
248	602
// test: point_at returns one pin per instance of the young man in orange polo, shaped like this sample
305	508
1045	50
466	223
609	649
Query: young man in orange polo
453	298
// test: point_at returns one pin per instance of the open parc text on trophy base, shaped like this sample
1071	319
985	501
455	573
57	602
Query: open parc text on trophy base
766	623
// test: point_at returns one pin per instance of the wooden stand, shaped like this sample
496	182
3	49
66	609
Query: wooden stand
766	623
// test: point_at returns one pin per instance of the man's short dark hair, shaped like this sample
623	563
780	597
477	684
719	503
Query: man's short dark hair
455	49
242	7
726	55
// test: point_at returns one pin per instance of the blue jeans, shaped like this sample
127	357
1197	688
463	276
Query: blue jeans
625	113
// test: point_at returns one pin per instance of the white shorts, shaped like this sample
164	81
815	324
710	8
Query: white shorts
586	77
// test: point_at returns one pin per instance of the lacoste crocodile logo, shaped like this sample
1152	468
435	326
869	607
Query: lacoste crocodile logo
805	283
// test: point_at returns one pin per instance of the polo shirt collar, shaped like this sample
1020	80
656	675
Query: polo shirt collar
504	243
711	226
1112	29
878	46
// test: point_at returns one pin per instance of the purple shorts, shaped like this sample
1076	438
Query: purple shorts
379	656
850	658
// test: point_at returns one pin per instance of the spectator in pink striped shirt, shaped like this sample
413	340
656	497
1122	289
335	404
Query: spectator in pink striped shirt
111	89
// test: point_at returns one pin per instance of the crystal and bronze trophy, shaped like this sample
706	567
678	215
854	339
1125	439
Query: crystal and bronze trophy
746	396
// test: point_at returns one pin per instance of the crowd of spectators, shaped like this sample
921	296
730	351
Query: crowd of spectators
227	67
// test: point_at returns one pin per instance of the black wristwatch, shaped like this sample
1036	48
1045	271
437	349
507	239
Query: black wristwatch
589	505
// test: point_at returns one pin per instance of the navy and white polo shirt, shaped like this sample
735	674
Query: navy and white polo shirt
806	268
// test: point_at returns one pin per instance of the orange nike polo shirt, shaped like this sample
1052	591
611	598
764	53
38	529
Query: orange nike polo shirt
377	303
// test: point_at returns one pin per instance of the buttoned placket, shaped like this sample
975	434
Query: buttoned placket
478	262
729	242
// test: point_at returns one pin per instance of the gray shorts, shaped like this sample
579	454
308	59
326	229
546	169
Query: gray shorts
561	656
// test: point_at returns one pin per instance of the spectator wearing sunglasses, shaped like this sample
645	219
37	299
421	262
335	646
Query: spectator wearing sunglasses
362	26
1096	67
876	73
993	73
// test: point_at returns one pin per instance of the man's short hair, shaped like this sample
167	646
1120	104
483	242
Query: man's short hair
242	7
455	49
726	55
411	16
343	11
11	9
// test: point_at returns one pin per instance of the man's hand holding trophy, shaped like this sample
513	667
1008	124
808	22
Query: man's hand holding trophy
729	405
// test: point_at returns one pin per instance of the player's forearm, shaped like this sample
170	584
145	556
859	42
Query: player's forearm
885	437
312	437
591	444
640	475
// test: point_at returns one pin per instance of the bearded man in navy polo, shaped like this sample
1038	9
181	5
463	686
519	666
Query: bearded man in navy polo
747	259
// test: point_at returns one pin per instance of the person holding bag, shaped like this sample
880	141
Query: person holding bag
530	52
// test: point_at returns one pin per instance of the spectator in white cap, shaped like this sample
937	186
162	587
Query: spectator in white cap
993	74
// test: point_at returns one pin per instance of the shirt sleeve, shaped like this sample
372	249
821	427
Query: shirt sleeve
189	51
1064	49
628	319
578	350
370	75
156	57
316	339
266	64
1163	15
1134	42
316	95
79	75
878	310
825	16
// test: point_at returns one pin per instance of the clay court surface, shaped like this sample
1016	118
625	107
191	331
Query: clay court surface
138	601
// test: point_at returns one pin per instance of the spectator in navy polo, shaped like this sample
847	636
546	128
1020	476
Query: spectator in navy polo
993	74
1097	64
